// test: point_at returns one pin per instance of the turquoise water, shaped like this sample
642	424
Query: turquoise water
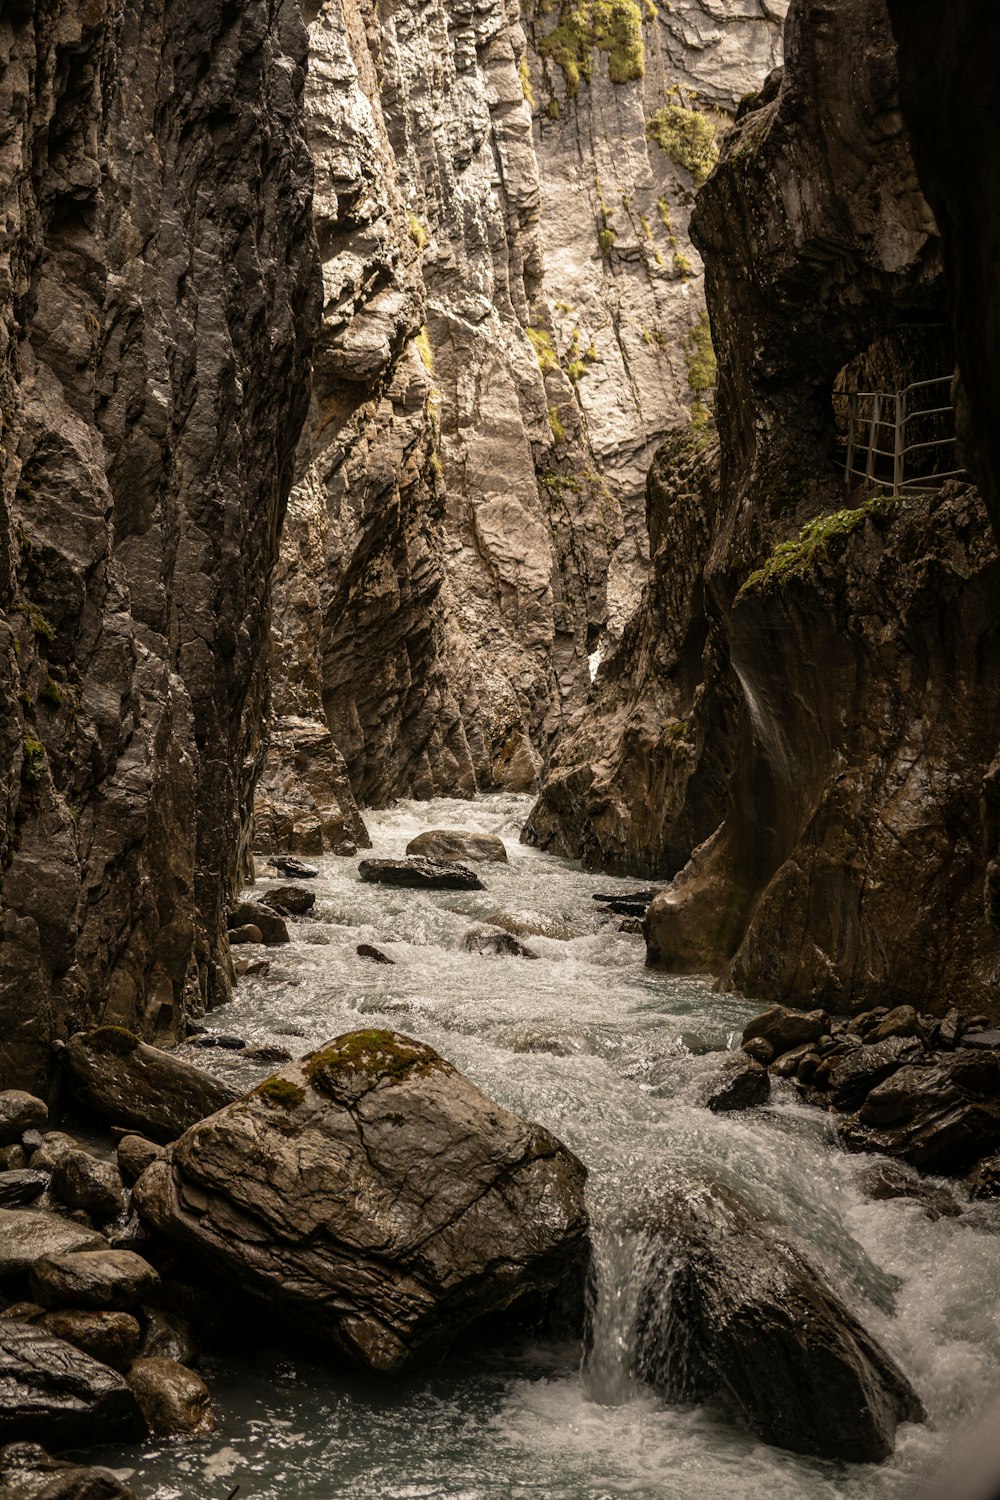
612	1058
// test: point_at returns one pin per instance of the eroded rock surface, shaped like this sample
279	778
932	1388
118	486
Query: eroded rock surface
374	1194
732	1310
131	1083
156	304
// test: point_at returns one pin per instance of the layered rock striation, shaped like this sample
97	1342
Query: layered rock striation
157	291
829	663
513	318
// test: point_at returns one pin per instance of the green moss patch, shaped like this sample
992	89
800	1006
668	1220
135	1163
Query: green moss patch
32	762
795	558
280	1092
367	1058
688	137
588	26
114	1039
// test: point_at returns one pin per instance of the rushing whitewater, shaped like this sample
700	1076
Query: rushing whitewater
612	1058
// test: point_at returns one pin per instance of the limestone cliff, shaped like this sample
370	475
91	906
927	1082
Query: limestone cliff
513	320
157	286
829	666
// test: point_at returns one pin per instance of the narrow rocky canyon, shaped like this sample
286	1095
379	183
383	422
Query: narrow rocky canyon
500	729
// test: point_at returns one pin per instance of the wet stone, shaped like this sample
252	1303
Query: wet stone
372	954
19	1112
174	1400
116	1279
20	1187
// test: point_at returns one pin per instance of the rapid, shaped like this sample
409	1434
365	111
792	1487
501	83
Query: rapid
612	1058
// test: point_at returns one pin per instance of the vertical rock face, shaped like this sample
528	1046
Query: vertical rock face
156	292
837	703
513	319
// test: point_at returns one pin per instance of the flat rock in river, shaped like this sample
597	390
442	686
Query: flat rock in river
451	844
54	1393
730	1310
420	874
131	1083
375	1193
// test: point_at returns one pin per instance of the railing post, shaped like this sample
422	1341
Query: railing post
873	427
852	419
899	444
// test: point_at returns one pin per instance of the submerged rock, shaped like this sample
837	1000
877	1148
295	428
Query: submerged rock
372	954
741	1083
289	900
496	945
375	1194
421	874
131	1083
886	1179
56	1394
732	1311
455	844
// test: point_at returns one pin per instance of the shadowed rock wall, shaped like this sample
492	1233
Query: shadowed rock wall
157	287
847	688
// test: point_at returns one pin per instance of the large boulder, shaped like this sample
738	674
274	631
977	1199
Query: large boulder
730	1310
420	874
51	1392
269	923
289	900
132	1083
455	844
174	1401
375	1193
84	1181
27	1234
741	1083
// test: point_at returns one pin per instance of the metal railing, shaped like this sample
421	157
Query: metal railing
885	453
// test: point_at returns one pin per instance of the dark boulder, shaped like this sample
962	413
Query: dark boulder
108	1336
248	933
131	1083
420	874
888	1179
20	1187
294	869
454	844
377	1196
372	954
939	1116
289	900
786	1029
19	1112
269	924
901	1021
26	1234
84	1181
218	1039
28	1473
134	1155
174	1401
856	1074
54	1393
741	1083
760	1049
731	1311
491	944
117	1279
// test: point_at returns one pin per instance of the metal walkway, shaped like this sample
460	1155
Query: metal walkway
896	440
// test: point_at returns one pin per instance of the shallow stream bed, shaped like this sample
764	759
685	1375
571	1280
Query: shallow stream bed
612	1058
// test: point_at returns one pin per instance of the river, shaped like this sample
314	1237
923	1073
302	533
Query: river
611	1058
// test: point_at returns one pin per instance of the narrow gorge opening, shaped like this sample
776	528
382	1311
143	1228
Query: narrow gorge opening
500	701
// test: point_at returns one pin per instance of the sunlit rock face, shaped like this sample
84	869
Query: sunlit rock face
157	292
827	685
513	319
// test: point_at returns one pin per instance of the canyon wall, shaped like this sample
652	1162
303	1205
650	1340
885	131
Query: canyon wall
158	286
803	747
513	320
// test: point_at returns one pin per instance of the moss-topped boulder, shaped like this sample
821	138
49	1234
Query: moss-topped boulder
375	1194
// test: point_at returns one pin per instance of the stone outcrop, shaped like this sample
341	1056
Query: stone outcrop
59	1395
731	1311
829	660
373	1194
157	292
513	319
